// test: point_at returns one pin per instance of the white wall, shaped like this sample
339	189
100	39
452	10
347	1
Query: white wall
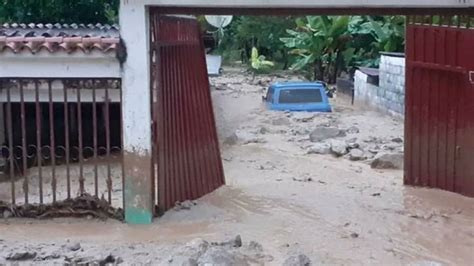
389	96
45	64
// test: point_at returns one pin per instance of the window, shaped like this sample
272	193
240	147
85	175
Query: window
301	96
270	93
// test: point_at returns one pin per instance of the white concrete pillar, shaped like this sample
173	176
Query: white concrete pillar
136	113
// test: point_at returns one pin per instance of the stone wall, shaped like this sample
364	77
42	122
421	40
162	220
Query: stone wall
389	95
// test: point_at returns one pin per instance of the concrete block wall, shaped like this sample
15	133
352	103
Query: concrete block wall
389	96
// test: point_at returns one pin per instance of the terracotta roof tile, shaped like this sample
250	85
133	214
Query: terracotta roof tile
58	37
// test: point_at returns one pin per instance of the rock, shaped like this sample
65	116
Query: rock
356	155
323	133
263	130
235	242
232	139
304	179
189	253
21	256
352	130
281	121
354	235
222	87
266	166
110	259
298	260
374	150
185	205
338	148
52	256
243	137
388	161
255	247
303	116
299	131
319	148
227	158
7	214
352	143
391	147
397	140
74	247
220	256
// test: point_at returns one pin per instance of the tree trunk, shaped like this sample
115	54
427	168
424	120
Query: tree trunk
337	67
318	70
285	59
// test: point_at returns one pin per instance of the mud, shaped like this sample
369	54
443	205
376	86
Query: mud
295	205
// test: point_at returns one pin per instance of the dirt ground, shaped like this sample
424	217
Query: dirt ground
290	198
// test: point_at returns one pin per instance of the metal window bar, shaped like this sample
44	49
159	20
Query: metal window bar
59	139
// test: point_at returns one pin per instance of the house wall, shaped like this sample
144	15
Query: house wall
59	65
389	96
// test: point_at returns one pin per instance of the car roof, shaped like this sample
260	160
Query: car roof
297	84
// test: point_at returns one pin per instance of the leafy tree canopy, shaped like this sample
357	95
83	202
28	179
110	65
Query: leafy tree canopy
59	11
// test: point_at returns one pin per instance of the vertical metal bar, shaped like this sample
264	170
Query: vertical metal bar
107	139
10	144
201	176
178	136
185	113
210	176
172	129
191	143
161	146
121	141
39	153
79	133
66	141
52	140
217	161
24	149
94	133
153	85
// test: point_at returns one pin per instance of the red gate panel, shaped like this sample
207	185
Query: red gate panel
439	121
186	151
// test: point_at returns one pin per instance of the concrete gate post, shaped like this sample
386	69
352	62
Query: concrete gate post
138	201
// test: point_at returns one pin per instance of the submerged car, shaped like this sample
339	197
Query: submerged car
297	96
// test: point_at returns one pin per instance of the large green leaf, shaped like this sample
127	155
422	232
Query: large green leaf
303	61
380	34
339	26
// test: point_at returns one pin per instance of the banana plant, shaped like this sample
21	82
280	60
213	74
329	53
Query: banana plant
320	41
258	62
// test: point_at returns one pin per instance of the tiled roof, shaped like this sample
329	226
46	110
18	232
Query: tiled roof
58	37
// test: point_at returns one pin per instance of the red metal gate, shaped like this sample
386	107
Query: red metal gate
186	151
439	118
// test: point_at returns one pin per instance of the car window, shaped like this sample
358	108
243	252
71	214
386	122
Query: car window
270	92
300	96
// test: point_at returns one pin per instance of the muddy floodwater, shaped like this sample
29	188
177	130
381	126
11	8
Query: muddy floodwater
334	209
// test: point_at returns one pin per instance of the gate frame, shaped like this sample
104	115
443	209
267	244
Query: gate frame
134	16
435	165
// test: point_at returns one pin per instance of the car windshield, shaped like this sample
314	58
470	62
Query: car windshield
300	96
